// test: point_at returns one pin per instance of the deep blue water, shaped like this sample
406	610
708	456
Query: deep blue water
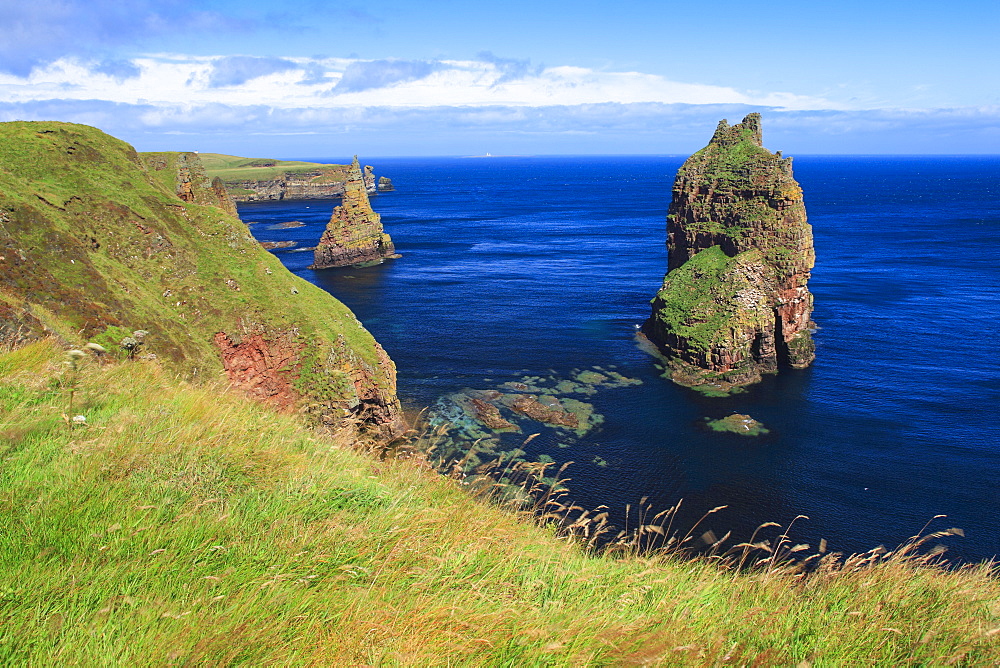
519	266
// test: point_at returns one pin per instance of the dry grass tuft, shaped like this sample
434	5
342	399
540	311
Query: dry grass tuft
186	526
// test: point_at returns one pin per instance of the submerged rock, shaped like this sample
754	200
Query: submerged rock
354	234
490	416
737	423
272	245
734	304
550	413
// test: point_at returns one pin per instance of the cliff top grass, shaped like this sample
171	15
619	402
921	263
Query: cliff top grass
182	525
734	152
235	168
94	246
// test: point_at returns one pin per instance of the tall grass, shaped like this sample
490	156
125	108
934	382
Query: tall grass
186	526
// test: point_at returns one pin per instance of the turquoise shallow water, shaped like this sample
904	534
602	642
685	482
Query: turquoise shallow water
542	266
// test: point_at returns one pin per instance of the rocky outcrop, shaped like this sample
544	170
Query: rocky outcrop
551	412
385	184
735	303
263	367
277	369
190	180
354	234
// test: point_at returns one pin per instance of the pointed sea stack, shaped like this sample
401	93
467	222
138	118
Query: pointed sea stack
354	234
734	303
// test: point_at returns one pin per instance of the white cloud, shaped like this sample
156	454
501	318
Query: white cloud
434	107
289	83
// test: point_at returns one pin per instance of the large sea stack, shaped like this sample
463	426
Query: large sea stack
734	303
354	234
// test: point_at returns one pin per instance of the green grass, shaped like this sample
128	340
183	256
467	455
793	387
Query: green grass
186	526
235	168
99	245
697	300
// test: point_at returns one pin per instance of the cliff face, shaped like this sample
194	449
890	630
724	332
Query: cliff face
256	179
354	234
96	242
370	181
735	302
319	184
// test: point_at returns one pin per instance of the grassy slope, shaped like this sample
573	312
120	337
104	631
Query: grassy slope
95	247
698	300
235	168
185	526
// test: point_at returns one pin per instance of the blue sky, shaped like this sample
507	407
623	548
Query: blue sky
440	77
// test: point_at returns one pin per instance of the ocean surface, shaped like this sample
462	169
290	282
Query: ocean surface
544	266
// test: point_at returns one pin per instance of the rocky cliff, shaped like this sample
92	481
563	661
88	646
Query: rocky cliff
735	303
257	179
185	173
97	242
354	234
307	185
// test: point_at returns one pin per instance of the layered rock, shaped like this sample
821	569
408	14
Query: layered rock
318	184
385	184
354	234
735	303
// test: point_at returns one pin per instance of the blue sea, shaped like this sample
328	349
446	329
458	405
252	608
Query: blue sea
544	266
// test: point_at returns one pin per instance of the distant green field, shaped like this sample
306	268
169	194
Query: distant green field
235	168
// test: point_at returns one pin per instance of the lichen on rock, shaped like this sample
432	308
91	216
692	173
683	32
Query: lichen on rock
735	303
354	234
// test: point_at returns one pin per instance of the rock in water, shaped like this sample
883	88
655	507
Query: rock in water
354	234
734	303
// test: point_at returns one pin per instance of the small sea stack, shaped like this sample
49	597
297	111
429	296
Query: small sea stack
735	302
354	234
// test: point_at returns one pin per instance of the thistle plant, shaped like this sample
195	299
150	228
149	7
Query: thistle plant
98	350
73	358
131	344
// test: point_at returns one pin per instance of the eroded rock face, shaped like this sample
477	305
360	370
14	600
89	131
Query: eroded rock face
277	368
192	181
735	302
263	369
354	234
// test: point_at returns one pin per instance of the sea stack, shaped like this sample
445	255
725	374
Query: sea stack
354	234
735	303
